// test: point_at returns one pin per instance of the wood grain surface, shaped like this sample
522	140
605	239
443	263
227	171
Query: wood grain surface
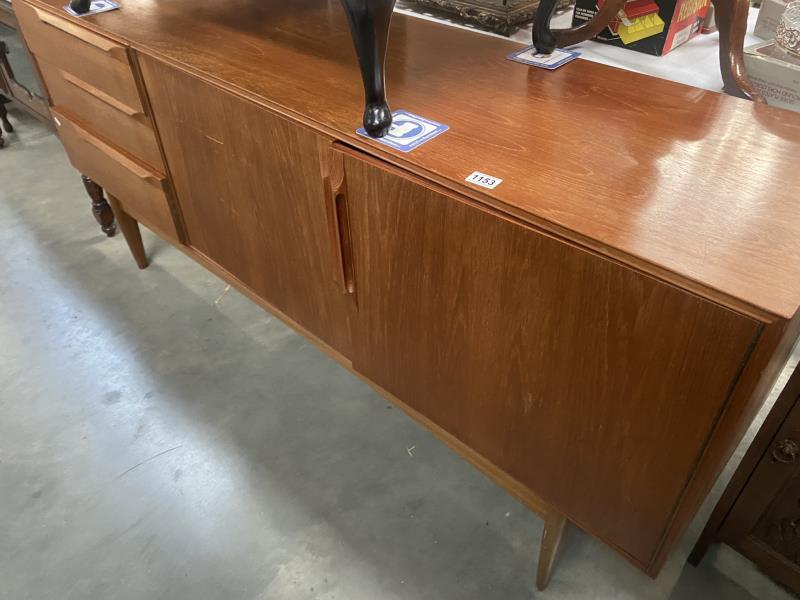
592	384
690	185
250	189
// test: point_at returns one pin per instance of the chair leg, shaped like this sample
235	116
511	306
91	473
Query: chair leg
130	230
554	526
369	25
546	40
731	17
100	208
80	6
4	116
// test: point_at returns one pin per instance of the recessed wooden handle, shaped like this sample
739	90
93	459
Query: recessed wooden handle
101	95
82	34
116	156
339	221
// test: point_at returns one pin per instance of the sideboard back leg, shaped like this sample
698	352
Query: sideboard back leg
100	208
369	24
554	526
130	230
731	17
546	40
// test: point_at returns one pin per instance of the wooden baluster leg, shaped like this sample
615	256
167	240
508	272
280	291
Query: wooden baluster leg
731	17
369	25
4	115
546	40
130	230
100	208
554	526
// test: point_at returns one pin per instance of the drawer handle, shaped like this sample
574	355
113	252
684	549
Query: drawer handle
118	157
786	451
101	95
79	32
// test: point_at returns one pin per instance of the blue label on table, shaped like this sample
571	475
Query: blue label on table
408	131
529	56
97	6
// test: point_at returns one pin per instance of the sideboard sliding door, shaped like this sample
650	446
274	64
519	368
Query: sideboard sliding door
250	189
590	383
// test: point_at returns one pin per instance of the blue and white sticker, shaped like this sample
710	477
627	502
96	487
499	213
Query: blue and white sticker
408	131
97	6
529	56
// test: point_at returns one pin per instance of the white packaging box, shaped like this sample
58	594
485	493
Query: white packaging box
775	75
768	18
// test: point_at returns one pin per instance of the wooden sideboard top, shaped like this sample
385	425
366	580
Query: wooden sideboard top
695	187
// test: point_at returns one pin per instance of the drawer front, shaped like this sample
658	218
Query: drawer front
129	129
140	190
97	60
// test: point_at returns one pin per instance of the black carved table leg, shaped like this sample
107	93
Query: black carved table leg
731	18
80	6
546	40
100	208
369	24
6	124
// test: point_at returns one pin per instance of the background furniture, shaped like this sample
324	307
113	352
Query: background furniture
17	70
759	513
596	349
731	18
500	16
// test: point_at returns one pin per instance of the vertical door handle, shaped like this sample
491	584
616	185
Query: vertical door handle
335	186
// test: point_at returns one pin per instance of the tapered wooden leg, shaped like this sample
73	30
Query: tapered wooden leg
731	17
130	230
369	25
100	208
546	40
554	526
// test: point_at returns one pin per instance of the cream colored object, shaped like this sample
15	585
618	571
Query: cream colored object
768	18
787	35
775	74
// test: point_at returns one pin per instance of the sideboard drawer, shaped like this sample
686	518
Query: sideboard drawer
140	190
102	63
130	129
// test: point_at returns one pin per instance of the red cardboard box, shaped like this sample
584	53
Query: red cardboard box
649	26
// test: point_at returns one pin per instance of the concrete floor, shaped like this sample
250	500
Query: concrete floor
162	439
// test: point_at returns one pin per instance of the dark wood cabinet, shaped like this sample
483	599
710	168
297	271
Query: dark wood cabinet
759	513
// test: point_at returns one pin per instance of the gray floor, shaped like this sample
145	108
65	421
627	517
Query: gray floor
162	439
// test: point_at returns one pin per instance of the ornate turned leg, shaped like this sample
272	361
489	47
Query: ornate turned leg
100	208
369	24
546	40
4	115
731	16
130	230
554	526
80	6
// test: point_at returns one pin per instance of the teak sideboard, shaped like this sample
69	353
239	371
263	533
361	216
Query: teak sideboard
595	334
